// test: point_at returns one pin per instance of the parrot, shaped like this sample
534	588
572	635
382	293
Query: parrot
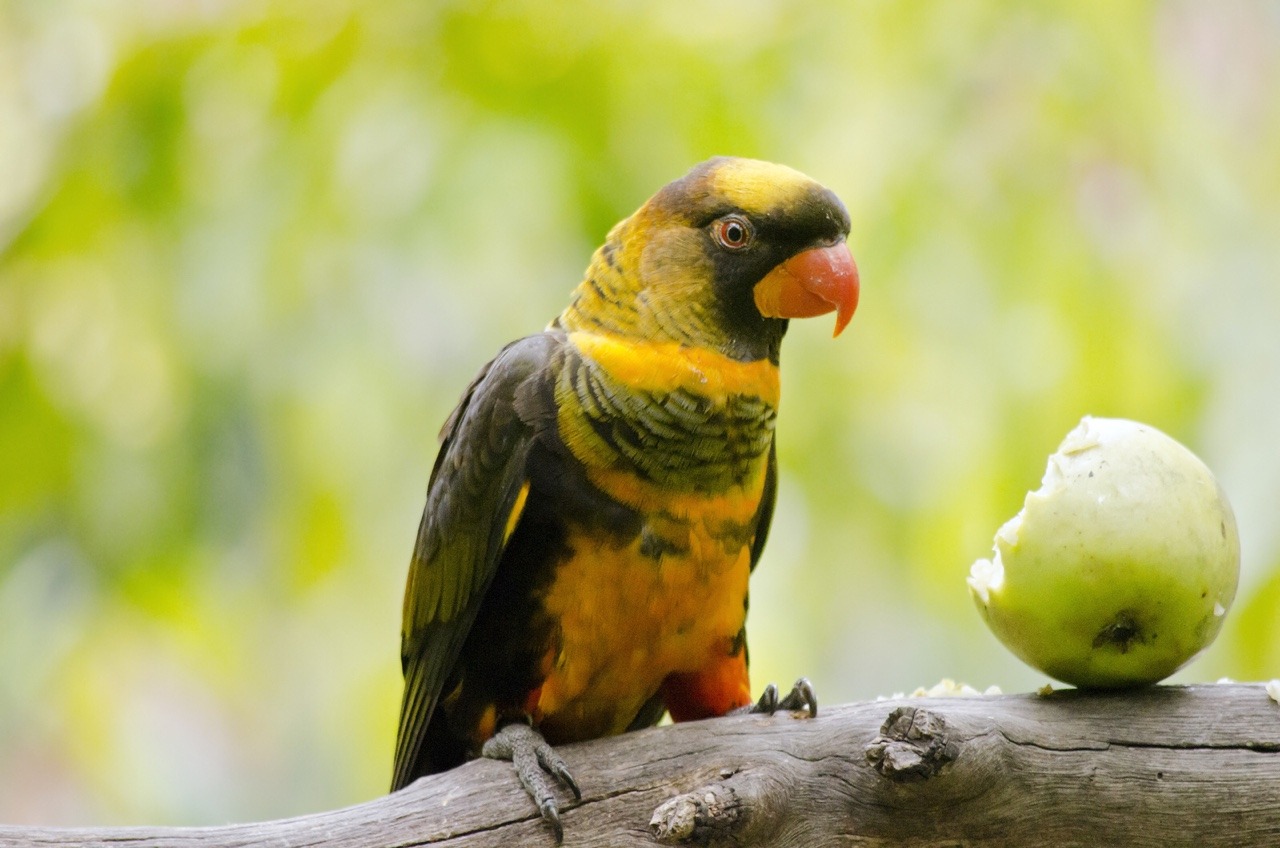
604	488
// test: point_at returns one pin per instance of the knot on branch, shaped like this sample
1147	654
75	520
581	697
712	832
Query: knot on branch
699	817
913	745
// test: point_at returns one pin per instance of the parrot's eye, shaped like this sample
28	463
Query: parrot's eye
732	232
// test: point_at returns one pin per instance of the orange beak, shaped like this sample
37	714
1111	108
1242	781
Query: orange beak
813	282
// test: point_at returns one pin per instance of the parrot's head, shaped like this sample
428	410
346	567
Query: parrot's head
722	257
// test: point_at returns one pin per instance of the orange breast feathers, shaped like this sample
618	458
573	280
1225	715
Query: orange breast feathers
682	436
670	602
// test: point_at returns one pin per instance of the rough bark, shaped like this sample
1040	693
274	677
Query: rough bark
1163	766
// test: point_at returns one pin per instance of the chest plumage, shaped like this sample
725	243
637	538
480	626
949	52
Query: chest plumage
681	438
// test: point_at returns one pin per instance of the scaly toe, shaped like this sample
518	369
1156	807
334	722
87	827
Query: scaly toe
534	759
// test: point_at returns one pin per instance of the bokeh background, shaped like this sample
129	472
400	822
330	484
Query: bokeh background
251	253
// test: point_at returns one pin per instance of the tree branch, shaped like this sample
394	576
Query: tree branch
1197	765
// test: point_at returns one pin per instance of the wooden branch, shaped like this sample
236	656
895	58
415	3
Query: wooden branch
1196	765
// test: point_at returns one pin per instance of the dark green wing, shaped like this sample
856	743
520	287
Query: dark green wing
474	500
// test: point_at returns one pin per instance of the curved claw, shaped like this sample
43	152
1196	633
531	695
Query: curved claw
768	703
551	762
534	760
801	697
551	815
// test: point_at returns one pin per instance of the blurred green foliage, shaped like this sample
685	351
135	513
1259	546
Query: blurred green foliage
251	252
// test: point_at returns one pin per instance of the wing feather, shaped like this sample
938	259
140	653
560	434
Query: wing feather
474	501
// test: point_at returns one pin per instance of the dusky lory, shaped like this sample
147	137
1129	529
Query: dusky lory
604	488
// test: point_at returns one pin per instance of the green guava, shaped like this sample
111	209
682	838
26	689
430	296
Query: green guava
1120	567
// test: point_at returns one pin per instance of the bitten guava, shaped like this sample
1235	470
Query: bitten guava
1120	567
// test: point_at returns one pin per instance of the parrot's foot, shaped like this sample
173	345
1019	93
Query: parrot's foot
801	697
534	759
